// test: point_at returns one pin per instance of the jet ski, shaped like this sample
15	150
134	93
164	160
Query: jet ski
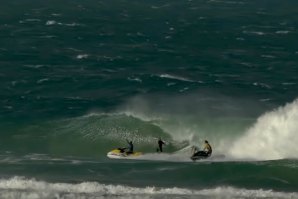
121	153
200	155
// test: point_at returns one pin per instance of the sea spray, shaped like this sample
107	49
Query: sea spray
273	136
195	117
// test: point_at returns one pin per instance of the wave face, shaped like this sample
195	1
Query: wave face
92	135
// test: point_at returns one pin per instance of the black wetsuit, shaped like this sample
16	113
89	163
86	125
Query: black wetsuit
160	143
130	147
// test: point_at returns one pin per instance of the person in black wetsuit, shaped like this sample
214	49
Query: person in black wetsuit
130	147
160	143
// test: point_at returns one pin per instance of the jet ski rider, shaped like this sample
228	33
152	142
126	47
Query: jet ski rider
206	152
130	147
207	148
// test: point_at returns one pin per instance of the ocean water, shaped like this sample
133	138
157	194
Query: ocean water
78	78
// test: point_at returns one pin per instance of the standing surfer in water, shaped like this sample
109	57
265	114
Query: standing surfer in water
160	143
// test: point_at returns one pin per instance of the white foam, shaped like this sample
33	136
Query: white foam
82	56
42	80
282	32
167	76
183	155
136	79
35	66
19	187
165	157
274	136
254	32
29	20
53	22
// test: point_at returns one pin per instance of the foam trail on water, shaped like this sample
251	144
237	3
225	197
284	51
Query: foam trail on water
183	155
174	157
274	136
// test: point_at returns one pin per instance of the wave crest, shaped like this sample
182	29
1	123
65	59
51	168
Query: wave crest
19	187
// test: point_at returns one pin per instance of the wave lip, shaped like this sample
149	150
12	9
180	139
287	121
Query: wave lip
19	187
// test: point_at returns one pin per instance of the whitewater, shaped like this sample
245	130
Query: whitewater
273	136
18	187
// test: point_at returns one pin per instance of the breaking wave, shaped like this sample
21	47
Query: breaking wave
273	136
19	187
232	128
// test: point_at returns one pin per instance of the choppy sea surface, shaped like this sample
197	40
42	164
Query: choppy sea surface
78	78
